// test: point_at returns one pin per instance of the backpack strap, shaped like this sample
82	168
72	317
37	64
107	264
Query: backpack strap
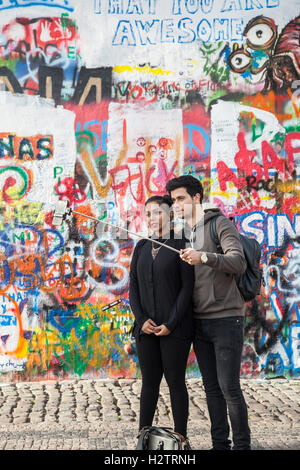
213	233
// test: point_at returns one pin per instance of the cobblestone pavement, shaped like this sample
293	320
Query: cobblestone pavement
103	414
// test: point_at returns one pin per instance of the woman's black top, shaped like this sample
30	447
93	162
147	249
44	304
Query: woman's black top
161	288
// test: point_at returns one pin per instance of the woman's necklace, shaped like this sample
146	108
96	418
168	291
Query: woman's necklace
154	251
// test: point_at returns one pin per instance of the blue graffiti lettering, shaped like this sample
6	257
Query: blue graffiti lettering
124	33
134	7
148	32
192	6
230	5
167	32
115	7
97	7
189	34
13	365
270	228
186	30
8	320
8	239
9	4
234	5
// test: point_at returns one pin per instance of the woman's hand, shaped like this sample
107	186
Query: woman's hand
149	327
162	330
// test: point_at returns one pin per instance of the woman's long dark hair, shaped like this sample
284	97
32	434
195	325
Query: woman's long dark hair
165	199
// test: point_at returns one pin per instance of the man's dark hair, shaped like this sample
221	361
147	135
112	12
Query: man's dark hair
189	182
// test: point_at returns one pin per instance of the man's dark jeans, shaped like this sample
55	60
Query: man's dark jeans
218	345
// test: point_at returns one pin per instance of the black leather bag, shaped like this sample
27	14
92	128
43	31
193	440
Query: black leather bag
248	283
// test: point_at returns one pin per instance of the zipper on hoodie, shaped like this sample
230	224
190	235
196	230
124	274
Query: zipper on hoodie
192	236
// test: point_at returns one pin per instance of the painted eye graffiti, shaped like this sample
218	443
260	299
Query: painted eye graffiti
280	63
240	60
261	33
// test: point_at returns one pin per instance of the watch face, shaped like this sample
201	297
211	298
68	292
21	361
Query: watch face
204	258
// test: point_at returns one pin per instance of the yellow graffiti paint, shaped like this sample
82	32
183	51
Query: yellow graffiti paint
85	153
145	69
228	195
42	347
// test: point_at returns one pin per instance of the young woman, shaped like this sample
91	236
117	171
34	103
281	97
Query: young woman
160	295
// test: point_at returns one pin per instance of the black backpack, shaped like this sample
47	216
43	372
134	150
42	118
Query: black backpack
248	283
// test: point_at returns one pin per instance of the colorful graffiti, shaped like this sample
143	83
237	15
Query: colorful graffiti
101	104
281	67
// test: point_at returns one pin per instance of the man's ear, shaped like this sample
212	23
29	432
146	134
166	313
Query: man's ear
197	198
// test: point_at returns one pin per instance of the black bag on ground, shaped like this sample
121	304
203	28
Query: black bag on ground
161	438
248	283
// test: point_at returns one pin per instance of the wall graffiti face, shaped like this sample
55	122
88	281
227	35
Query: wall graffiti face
101	103
281	67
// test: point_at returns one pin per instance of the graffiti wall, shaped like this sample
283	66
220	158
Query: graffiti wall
101	103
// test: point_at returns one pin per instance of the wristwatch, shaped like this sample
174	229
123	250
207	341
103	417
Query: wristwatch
203	258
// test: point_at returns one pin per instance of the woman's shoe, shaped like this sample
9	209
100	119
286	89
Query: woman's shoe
185	442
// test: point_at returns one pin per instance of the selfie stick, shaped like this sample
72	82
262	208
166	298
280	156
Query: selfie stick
62	210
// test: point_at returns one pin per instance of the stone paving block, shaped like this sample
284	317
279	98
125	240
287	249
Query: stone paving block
104	414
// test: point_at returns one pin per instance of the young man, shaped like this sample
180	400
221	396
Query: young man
218	311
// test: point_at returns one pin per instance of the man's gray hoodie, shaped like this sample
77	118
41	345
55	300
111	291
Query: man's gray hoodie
215	292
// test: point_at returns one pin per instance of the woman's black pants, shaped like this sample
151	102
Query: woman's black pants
166	355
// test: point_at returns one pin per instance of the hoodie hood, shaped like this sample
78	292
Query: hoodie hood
210	213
